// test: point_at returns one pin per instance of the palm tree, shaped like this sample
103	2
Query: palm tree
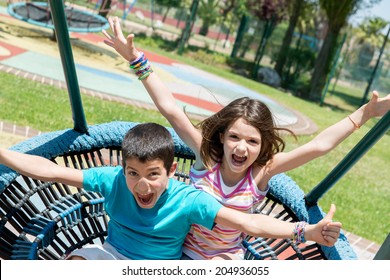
169	4
369	38
302	18
209	13
337	13
105	7
282	56
271	12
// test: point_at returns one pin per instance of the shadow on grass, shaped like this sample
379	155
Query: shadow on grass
354	101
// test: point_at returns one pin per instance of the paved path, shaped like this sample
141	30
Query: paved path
201	93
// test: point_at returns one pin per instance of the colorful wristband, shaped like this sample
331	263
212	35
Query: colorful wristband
141	66
298	234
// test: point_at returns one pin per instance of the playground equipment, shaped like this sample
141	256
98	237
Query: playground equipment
39	13
48	220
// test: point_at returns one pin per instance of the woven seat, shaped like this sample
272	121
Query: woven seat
48	220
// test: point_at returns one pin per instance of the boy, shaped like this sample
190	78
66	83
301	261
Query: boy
150	212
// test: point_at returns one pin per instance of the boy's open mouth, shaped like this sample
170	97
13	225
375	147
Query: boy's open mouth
145	199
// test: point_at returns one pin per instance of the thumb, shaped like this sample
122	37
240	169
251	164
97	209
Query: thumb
331	212
130	38
374	97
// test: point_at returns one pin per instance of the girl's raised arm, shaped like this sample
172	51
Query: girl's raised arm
160	94
329	138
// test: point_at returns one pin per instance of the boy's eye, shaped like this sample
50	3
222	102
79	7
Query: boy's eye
132	173
154	174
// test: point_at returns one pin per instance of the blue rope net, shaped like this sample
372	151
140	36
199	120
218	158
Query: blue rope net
48	220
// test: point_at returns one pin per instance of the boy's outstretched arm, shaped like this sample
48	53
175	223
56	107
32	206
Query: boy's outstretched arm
40	168
329	138
325	232
160	94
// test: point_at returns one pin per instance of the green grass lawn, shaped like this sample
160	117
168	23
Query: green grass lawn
362	196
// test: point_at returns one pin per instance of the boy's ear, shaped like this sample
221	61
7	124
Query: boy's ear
172	171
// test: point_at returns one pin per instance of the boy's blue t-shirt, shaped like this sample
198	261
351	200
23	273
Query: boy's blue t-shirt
156	233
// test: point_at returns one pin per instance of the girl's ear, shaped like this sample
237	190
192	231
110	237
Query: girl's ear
172	171
221	137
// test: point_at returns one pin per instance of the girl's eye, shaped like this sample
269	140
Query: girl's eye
233	136
253	141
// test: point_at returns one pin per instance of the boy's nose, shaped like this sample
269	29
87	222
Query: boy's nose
143	185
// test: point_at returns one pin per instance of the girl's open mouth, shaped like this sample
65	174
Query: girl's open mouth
238	159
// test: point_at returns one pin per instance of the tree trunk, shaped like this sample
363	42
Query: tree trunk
322	65
240	35
282	57
105	8
190	21
268	29
166	14
204	29
227	36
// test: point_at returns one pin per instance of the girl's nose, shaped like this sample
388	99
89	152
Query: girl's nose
241	147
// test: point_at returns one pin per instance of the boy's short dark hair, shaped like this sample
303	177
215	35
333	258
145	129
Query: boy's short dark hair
149	141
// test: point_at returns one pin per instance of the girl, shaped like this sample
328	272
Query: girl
237	149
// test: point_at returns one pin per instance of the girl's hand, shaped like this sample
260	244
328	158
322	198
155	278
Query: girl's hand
124	46
377	107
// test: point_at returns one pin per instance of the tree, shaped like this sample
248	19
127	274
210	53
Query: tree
209	13
169	4
337	13
281	59
271	12
185	35
369	38
231	11
105	8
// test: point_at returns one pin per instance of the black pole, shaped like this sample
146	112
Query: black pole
350	159
364	99
61	31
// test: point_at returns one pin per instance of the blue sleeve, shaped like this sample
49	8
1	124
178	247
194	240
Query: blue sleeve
204	210
101	179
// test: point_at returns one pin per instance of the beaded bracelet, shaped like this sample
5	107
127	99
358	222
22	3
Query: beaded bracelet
139	58
141	66
298	234
354	123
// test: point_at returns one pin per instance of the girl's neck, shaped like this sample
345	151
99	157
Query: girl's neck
230	179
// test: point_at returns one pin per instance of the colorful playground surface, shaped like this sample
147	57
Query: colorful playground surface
199	92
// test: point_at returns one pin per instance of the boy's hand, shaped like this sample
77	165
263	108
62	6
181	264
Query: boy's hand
325	232
124	46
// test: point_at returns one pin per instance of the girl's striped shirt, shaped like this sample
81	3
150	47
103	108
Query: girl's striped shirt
202	243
